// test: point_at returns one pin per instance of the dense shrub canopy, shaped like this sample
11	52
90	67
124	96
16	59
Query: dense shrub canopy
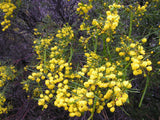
69	59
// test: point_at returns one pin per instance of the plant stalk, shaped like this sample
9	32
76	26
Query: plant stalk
71	54
130	26
95	45
145	89
94	107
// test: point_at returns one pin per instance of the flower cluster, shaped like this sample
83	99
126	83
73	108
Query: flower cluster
36	32
96	86
101	80
6	73
112	18
83	9
104	25
50	74
66	35
7	7
135	52
2	101
140	10
41	45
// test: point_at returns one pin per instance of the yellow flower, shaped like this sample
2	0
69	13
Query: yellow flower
108	94
117	89
112	109
47	91
124	97
134	66
119	102
94	22
149	68
90	95
120	73
35	29
144	40
127	58
108	39
132	53
132	45
108	64
45	106
109	105
121	53
41	102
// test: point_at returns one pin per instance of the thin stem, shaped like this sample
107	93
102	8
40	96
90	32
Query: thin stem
130	26
44	59
94	107
95	45
125	111
108	51
127	66
104	46
71	54
145	89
